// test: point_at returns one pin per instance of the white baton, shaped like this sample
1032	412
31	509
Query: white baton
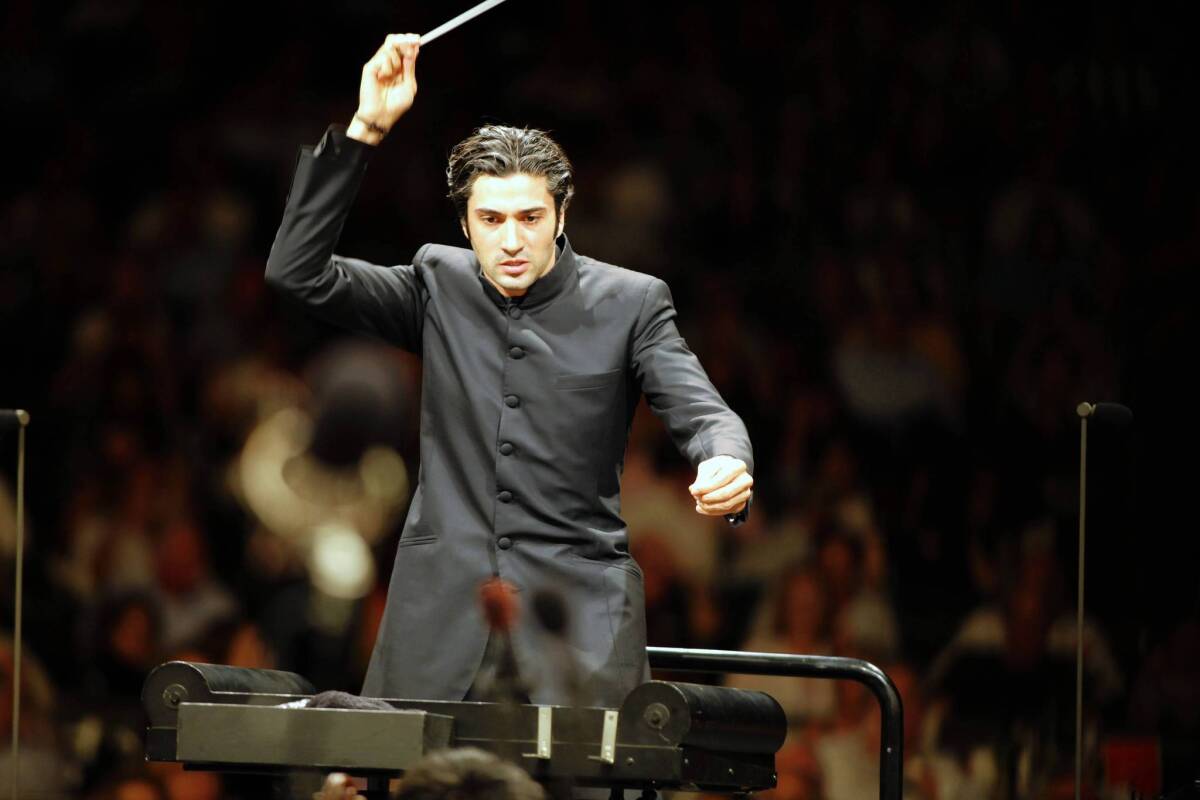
469	14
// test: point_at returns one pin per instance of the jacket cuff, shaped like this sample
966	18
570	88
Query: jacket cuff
337	145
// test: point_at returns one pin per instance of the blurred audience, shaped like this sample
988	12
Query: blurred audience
798	622
906	242
46	768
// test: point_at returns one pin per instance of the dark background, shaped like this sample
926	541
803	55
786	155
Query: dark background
905	240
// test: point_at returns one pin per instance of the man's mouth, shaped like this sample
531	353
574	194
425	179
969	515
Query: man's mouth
514	266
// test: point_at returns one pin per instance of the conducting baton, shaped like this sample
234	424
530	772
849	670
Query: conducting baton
467	15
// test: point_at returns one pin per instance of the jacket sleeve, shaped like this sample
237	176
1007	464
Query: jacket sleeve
384	302
678	389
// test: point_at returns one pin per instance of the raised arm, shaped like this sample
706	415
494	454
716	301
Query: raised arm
385	302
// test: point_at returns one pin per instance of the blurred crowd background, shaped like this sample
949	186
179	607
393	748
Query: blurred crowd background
904	239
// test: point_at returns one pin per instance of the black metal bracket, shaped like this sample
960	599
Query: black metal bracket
891	742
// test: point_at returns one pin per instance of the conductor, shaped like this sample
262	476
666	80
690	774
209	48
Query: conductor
534	359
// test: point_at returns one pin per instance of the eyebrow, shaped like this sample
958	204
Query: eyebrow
529	210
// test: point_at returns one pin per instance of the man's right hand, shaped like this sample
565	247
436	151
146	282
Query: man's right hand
389	84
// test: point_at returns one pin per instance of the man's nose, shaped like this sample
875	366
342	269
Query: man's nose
510	240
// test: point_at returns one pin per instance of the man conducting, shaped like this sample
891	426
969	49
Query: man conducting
534	359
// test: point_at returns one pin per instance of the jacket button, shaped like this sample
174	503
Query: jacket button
504	543
514	312
506	449
516	352
505	496
512	401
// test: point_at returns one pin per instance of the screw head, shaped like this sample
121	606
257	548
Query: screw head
656	716
174	694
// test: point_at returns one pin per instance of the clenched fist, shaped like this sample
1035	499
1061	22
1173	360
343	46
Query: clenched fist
722	486
389	84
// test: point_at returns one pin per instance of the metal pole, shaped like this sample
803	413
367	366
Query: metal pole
891	742
22	422
1079	610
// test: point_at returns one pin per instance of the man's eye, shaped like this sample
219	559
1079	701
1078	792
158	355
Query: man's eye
489	220
533	220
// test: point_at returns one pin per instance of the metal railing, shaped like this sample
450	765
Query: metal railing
891	740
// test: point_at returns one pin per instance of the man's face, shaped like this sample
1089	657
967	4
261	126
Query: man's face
511	225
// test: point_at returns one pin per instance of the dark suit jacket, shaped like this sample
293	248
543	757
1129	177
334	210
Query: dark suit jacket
525	411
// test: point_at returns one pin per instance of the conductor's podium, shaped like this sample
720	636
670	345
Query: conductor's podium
665	735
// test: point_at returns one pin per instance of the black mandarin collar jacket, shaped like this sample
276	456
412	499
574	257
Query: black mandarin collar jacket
525	412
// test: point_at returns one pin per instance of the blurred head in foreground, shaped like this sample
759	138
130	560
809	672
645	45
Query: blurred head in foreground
465	773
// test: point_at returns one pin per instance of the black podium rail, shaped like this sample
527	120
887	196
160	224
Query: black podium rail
891	742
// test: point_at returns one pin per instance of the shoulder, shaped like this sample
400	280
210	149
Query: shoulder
609	279
453	269
435	256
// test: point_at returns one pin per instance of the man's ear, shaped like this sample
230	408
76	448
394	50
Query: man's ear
562	222
462	223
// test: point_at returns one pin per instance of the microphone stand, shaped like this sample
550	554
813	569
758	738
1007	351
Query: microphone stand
22	419
1084	410
1115	415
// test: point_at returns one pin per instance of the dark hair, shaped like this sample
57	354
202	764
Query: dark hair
467	773
500	150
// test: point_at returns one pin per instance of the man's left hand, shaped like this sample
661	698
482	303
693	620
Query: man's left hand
722	486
